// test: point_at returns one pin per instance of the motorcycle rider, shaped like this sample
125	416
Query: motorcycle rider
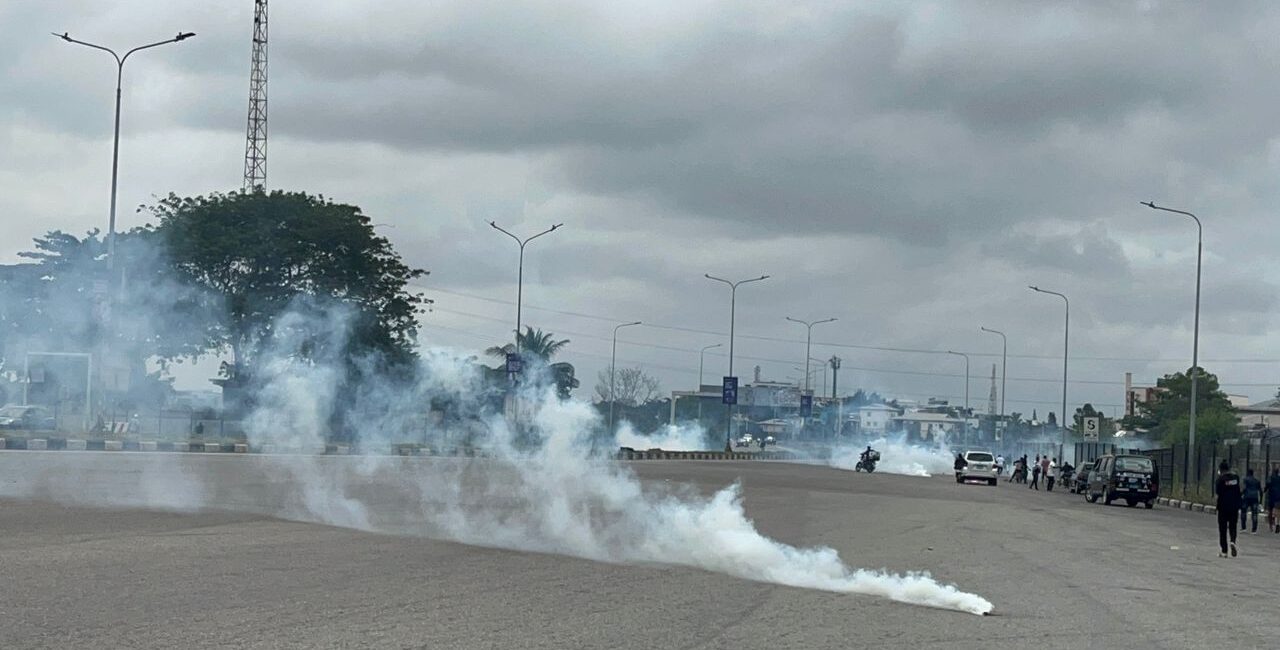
868	454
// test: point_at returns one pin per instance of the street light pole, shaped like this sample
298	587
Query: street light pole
613	363
1004	363
733	301
701	357
115	146
808	343
966	393
1195	337
520	273
1066	335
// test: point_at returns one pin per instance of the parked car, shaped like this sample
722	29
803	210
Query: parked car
1081	481
1127	477
29	417
981	467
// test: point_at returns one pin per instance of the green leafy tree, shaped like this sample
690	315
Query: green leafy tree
266	253
1168	414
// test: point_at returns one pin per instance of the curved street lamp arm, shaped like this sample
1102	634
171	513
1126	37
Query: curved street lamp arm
712	277
176	39
66	37
548	230
502	230
1153	206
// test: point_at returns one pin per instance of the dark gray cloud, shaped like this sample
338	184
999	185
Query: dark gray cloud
907	168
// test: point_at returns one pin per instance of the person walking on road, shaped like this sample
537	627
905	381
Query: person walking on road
1227	489
1250	496
1273	500
1051	473
1035	475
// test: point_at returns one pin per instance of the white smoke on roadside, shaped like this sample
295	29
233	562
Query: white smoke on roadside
680	437
539	488
897	456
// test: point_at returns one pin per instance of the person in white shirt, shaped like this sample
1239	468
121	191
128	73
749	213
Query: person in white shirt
1000	464
1052	473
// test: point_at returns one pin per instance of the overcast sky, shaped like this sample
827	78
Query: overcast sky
908	168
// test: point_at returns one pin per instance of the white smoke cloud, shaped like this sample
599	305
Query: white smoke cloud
539	486
680	437
897	456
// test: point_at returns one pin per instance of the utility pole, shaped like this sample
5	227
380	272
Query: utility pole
1195	337
1066	337
733	302
613	366
966	393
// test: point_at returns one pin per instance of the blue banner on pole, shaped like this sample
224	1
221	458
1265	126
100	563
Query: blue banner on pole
515	365
729	393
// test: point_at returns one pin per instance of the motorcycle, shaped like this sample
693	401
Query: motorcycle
867	463
1068	478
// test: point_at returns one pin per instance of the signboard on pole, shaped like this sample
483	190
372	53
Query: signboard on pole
515	365
729	391
806	405
1090	428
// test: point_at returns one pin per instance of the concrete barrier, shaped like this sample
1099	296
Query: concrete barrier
148	445
182	446
240	448
1174	503
2	443
113	445
342	450
76	445
1213	510
1197	507
213	447
37	444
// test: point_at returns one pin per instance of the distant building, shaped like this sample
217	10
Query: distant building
873	419
927	427
1260	415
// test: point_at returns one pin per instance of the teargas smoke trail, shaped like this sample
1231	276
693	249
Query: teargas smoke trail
668	437
897	456
539	487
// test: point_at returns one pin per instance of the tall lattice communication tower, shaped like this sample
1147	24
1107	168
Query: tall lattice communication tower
255	148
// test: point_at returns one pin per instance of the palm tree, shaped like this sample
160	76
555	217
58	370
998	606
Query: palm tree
534	343
541	346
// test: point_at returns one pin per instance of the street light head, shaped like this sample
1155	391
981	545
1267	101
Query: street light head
66	36
1033	288
555	226
1149	204
493	224
182	36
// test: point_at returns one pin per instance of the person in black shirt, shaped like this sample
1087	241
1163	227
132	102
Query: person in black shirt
1228	490
1273	499
1251	495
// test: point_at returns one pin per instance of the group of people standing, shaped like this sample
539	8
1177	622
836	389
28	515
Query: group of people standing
1044	466
1237	498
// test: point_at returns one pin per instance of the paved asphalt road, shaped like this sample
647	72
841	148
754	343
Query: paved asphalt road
1062	573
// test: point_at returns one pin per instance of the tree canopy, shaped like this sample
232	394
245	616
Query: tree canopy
263	252
537	348
1168	415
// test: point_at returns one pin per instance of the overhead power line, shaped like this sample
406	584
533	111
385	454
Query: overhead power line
835	344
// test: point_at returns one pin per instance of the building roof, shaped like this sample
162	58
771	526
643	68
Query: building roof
1268	406
876	407
920	416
